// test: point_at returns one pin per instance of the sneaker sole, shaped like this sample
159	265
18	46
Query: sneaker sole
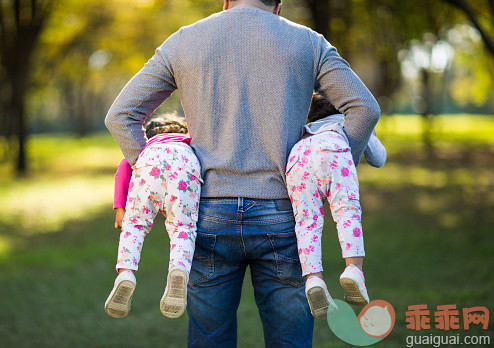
318	303
172	304
118	303
353	295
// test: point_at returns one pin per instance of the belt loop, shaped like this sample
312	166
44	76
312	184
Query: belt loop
240	205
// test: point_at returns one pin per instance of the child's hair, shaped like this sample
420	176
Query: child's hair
167	123
320	107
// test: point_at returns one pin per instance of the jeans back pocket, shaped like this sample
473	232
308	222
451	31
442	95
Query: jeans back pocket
203	261
285	251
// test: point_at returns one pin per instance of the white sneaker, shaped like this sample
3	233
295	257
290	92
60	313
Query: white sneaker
353	282
118	303
174	300
320	301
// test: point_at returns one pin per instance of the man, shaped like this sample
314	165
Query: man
245	77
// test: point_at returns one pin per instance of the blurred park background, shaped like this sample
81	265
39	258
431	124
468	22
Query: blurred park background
428	214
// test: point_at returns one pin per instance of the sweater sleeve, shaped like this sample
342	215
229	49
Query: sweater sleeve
122	181
342	87
375	153
147	90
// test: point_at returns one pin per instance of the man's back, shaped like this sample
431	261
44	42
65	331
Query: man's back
246	78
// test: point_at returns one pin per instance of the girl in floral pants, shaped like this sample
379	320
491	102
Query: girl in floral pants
165	178
320	167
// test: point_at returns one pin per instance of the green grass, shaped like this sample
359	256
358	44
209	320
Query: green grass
427	222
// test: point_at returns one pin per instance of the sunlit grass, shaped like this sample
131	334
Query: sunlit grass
398	175
462	127
44	205
67	155
68	179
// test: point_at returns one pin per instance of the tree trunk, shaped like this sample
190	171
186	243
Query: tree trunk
17	76
427	114
17	42
321	15
18	113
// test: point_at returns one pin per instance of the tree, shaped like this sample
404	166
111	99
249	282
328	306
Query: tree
67	63
88	51
481	16
369	34
21	22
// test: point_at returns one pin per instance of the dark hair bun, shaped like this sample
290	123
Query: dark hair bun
167	123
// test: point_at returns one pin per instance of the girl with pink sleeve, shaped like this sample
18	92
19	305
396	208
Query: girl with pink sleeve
166	178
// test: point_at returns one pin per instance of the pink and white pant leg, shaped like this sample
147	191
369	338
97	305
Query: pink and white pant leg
319	168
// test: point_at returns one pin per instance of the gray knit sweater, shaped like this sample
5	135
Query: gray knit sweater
245	78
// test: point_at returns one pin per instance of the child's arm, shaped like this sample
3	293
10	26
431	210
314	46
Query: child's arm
375	153
120	212
122	181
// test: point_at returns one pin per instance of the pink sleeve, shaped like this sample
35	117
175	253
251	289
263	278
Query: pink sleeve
122	181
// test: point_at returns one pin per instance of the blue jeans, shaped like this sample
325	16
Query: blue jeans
233	233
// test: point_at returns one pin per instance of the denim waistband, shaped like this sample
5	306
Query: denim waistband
281	204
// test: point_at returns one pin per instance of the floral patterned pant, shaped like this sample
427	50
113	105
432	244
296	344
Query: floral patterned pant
165	178
320	167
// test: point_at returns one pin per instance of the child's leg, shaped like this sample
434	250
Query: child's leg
357	261
344	201
346	211
143	204
181	205
140	212
307	206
